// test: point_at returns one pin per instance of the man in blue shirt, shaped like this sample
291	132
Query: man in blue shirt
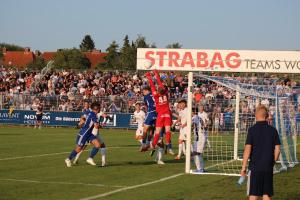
88	132
262	148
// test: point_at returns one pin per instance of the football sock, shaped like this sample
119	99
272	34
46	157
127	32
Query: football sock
160	153
168	137
197	162
94	151
183	147
78	154
72	154
179	149
103	154
201	161
155	140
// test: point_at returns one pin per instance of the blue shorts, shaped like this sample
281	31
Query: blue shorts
81	140
150	119
92	137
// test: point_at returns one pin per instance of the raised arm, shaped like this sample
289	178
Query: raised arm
158	79
152	86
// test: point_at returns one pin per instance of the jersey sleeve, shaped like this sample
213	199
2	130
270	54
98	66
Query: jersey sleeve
158	79
94	118
152	86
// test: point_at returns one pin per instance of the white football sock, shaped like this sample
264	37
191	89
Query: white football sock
103	154
183	147
141	141
208	144
201	161
197	162
160	153
180	149
78	155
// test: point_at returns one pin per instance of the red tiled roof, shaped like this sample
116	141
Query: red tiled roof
18	58
22	59
95	57
48	55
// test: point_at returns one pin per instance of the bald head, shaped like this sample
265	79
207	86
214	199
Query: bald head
261	113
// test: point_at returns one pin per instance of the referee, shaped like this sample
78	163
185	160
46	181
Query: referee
262	148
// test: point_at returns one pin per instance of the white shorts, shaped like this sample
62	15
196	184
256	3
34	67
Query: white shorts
199	145
139	132
182	133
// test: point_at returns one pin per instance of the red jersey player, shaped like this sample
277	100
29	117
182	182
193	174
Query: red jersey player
162	108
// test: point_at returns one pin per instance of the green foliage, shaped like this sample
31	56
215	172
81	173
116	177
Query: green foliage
174	45
38	63
9	47
87	43
140	42
113	56
71	59
127	57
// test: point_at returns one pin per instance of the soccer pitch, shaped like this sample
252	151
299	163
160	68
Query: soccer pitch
32	167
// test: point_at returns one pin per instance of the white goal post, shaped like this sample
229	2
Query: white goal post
231	61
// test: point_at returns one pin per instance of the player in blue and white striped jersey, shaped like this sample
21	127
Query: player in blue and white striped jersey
88	132
200	140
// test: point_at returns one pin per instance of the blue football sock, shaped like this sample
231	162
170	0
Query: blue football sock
169	146
72	154
94	151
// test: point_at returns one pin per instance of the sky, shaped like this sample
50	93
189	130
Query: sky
196	24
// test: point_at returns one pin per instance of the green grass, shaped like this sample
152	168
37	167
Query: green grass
51	179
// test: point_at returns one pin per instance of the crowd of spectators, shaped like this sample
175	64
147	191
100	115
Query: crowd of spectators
118	91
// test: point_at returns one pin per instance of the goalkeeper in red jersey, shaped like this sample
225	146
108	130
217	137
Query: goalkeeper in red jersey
161	100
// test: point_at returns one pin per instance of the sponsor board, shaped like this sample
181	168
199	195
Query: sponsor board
218	60
24	117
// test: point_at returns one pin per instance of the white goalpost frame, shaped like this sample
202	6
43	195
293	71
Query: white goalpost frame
236	123
189	123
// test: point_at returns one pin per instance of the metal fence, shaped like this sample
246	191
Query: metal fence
112	104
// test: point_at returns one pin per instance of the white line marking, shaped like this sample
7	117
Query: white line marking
58	182
137	186
131	187
52	154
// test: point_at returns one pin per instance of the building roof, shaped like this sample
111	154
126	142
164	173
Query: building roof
95	57
18	59
21	59
48	55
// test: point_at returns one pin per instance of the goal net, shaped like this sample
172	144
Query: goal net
230	105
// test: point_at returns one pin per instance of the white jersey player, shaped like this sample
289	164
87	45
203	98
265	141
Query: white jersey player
200	140
203	115
182	120
139	117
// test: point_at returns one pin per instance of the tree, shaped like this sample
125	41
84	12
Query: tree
87	43
140	42
71	59
127	55
38	63
174	45
113	56
9	47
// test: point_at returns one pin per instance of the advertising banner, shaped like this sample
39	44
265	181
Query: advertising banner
218	60
24	117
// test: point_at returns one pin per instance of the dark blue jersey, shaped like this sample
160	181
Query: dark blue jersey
149	101
88	126
86	112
